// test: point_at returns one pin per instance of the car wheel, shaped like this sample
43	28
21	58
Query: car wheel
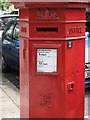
5	67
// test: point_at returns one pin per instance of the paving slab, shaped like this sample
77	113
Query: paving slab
9	100
86	106
11	91
9	109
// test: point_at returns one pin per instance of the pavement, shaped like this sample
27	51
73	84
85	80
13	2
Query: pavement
9	99
86	111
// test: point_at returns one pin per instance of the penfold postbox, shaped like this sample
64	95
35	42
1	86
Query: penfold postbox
52	59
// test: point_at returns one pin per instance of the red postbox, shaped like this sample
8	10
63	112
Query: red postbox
52	59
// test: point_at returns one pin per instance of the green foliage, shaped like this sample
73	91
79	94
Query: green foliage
5	5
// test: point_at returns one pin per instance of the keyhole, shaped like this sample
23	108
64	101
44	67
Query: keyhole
72	86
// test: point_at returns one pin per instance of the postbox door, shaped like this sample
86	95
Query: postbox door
47	92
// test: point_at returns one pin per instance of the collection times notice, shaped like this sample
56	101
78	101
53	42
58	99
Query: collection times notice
46	60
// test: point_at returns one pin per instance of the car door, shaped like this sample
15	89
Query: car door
14	53
6	43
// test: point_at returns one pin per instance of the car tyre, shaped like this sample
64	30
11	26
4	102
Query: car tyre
5	67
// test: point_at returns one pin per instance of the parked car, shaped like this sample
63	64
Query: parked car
16	11
10	46
7	17
4	19
1	31
87	60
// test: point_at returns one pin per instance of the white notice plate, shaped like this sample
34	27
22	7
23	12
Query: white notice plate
46	60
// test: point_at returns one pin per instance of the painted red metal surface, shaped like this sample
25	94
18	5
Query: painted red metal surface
57	94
